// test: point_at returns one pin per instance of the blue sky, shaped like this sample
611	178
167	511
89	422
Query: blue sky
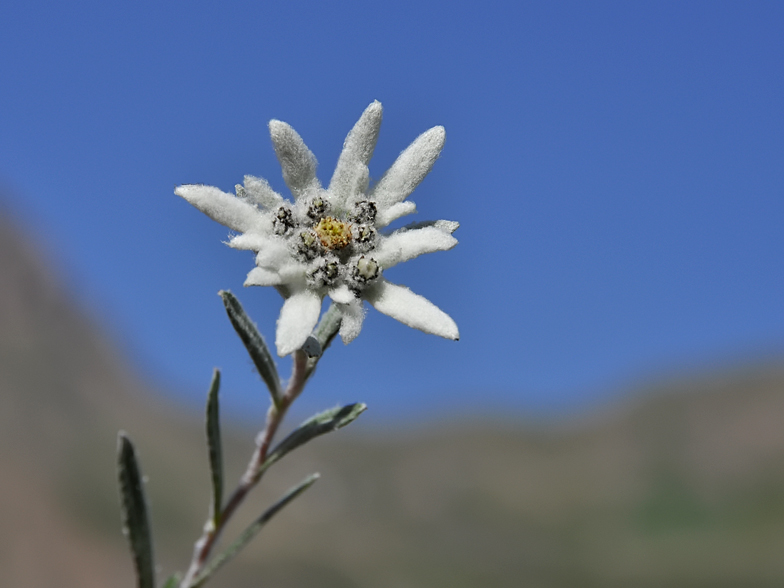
617	169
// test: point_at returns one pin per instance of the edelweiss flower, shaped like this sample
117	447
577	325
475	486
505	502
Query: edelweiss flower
328	241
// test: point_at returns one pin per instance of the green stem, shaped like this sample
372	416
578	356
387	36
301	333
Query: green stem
213	528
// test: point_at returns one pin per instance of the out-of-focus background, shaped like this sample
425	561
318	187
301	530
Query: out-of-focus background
613	414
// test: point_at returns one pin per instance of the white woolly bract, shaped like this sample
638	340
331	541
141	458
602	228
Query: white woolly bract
298	317
412	309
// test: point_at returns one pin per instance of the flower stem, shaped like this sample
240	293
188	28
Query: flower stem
277	411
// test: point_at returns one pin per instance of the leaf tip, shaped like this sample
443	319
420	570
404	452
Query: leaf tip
123	442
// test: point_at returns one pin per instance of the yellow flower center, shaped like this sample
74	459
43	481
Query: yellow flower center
332	233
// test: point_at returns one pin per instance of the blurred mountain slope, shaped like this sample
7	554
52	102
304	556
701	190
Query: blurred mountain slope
681	485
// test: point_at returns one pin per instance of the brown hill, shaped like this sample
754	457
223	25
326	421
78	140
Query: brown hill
683	486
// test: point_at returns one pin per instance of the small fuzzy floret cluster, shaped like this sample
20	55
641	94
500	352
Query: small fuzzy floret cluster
332	242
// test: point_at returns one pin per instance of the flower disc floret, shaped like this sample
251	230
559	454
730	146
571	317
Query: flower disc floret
333	233
366	269
332	242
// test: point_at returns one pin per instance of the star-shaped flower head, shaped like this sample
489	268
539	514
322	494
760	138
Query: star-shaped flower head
330	241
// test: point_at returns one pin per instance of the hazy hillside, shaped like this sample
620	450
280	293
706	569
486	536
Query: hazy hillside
682	486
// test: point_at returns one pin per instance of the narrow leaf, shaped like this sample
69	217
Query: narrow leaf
134	512
249	533
214	445
312	348
173	581
324	422
328	327
322	336
254	343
